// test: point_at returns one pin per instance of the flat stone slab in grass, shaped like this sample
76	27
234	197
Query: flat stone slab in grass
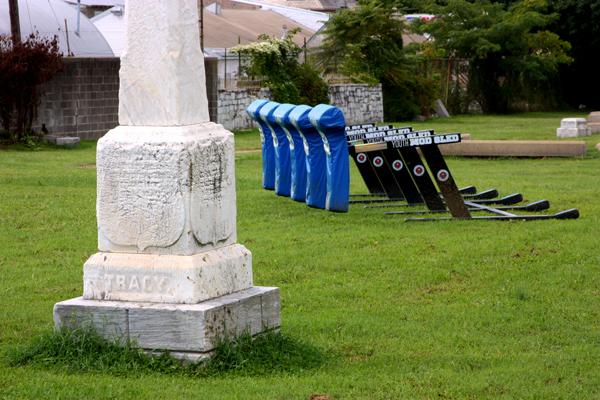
50	138
514	148
62	141
190	329
68	141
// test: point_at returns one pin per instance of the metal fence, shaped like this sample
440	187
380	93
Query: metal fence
453	73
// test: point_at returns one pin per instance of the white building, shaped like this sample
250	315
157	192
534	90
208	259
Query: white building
55	17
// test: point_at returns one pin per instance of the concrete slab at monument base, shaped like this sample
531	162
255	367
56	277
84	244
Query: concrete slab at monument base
182	328
514	148
167	278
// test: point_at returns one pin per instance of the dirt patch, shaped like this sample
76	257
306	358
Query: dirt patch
247	151
319	397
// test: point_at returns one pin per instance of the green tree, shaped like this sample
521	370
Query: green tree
277	59
510	60
576	23
366	43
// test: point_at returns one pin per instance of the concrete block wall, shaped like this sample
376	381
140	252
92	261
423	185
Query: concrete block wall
360	103
83	100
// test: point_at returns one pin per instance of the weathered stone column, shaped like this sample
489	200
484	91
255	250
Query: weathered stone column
169	271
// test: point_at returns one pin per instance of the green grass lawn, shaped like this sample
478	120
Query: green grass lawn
527	126
453	309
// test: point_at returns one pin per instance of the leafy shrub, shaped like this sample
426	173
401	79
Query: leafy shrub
286	92
312	88
24	67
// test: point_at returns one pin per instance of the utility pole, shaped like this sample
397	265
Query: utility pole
15	25
201	13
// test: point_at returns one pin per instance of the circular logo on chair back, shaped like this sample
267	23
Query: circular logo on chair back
378	161
443	175
361	158
397	165
419	170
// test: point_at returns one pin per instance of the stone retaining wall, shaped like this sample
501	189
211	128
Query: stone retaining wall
359	102
233	104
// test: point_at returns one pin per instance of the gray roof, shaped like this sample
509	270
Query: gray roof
48	18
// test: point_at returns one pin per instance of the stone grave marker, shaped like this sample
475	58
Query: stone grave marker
170	272
573	127
594	122
440	109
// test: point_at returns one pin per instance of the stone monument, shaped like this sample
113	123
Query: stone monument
169	273
594	122
573	127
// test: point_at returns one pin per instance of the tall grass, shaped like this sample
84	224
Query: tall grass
84	349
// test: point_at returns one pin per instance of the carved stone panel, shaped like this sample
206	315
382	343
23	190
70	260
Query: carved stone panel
166	190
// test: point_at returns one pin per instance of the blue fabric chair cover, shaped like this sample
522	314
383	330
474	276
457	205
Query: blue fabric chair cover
331	124
283	166
316	159
297	155
268	152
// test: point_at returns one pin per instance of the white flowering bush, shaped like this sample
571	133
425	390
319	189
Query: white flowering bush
275	58
278	60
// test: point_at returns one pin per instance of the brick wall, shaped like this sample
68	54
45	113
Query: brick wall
83	100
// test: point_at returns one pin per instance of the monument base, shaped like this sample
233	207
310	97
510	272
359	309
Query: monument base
167	278
187	330
573	132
